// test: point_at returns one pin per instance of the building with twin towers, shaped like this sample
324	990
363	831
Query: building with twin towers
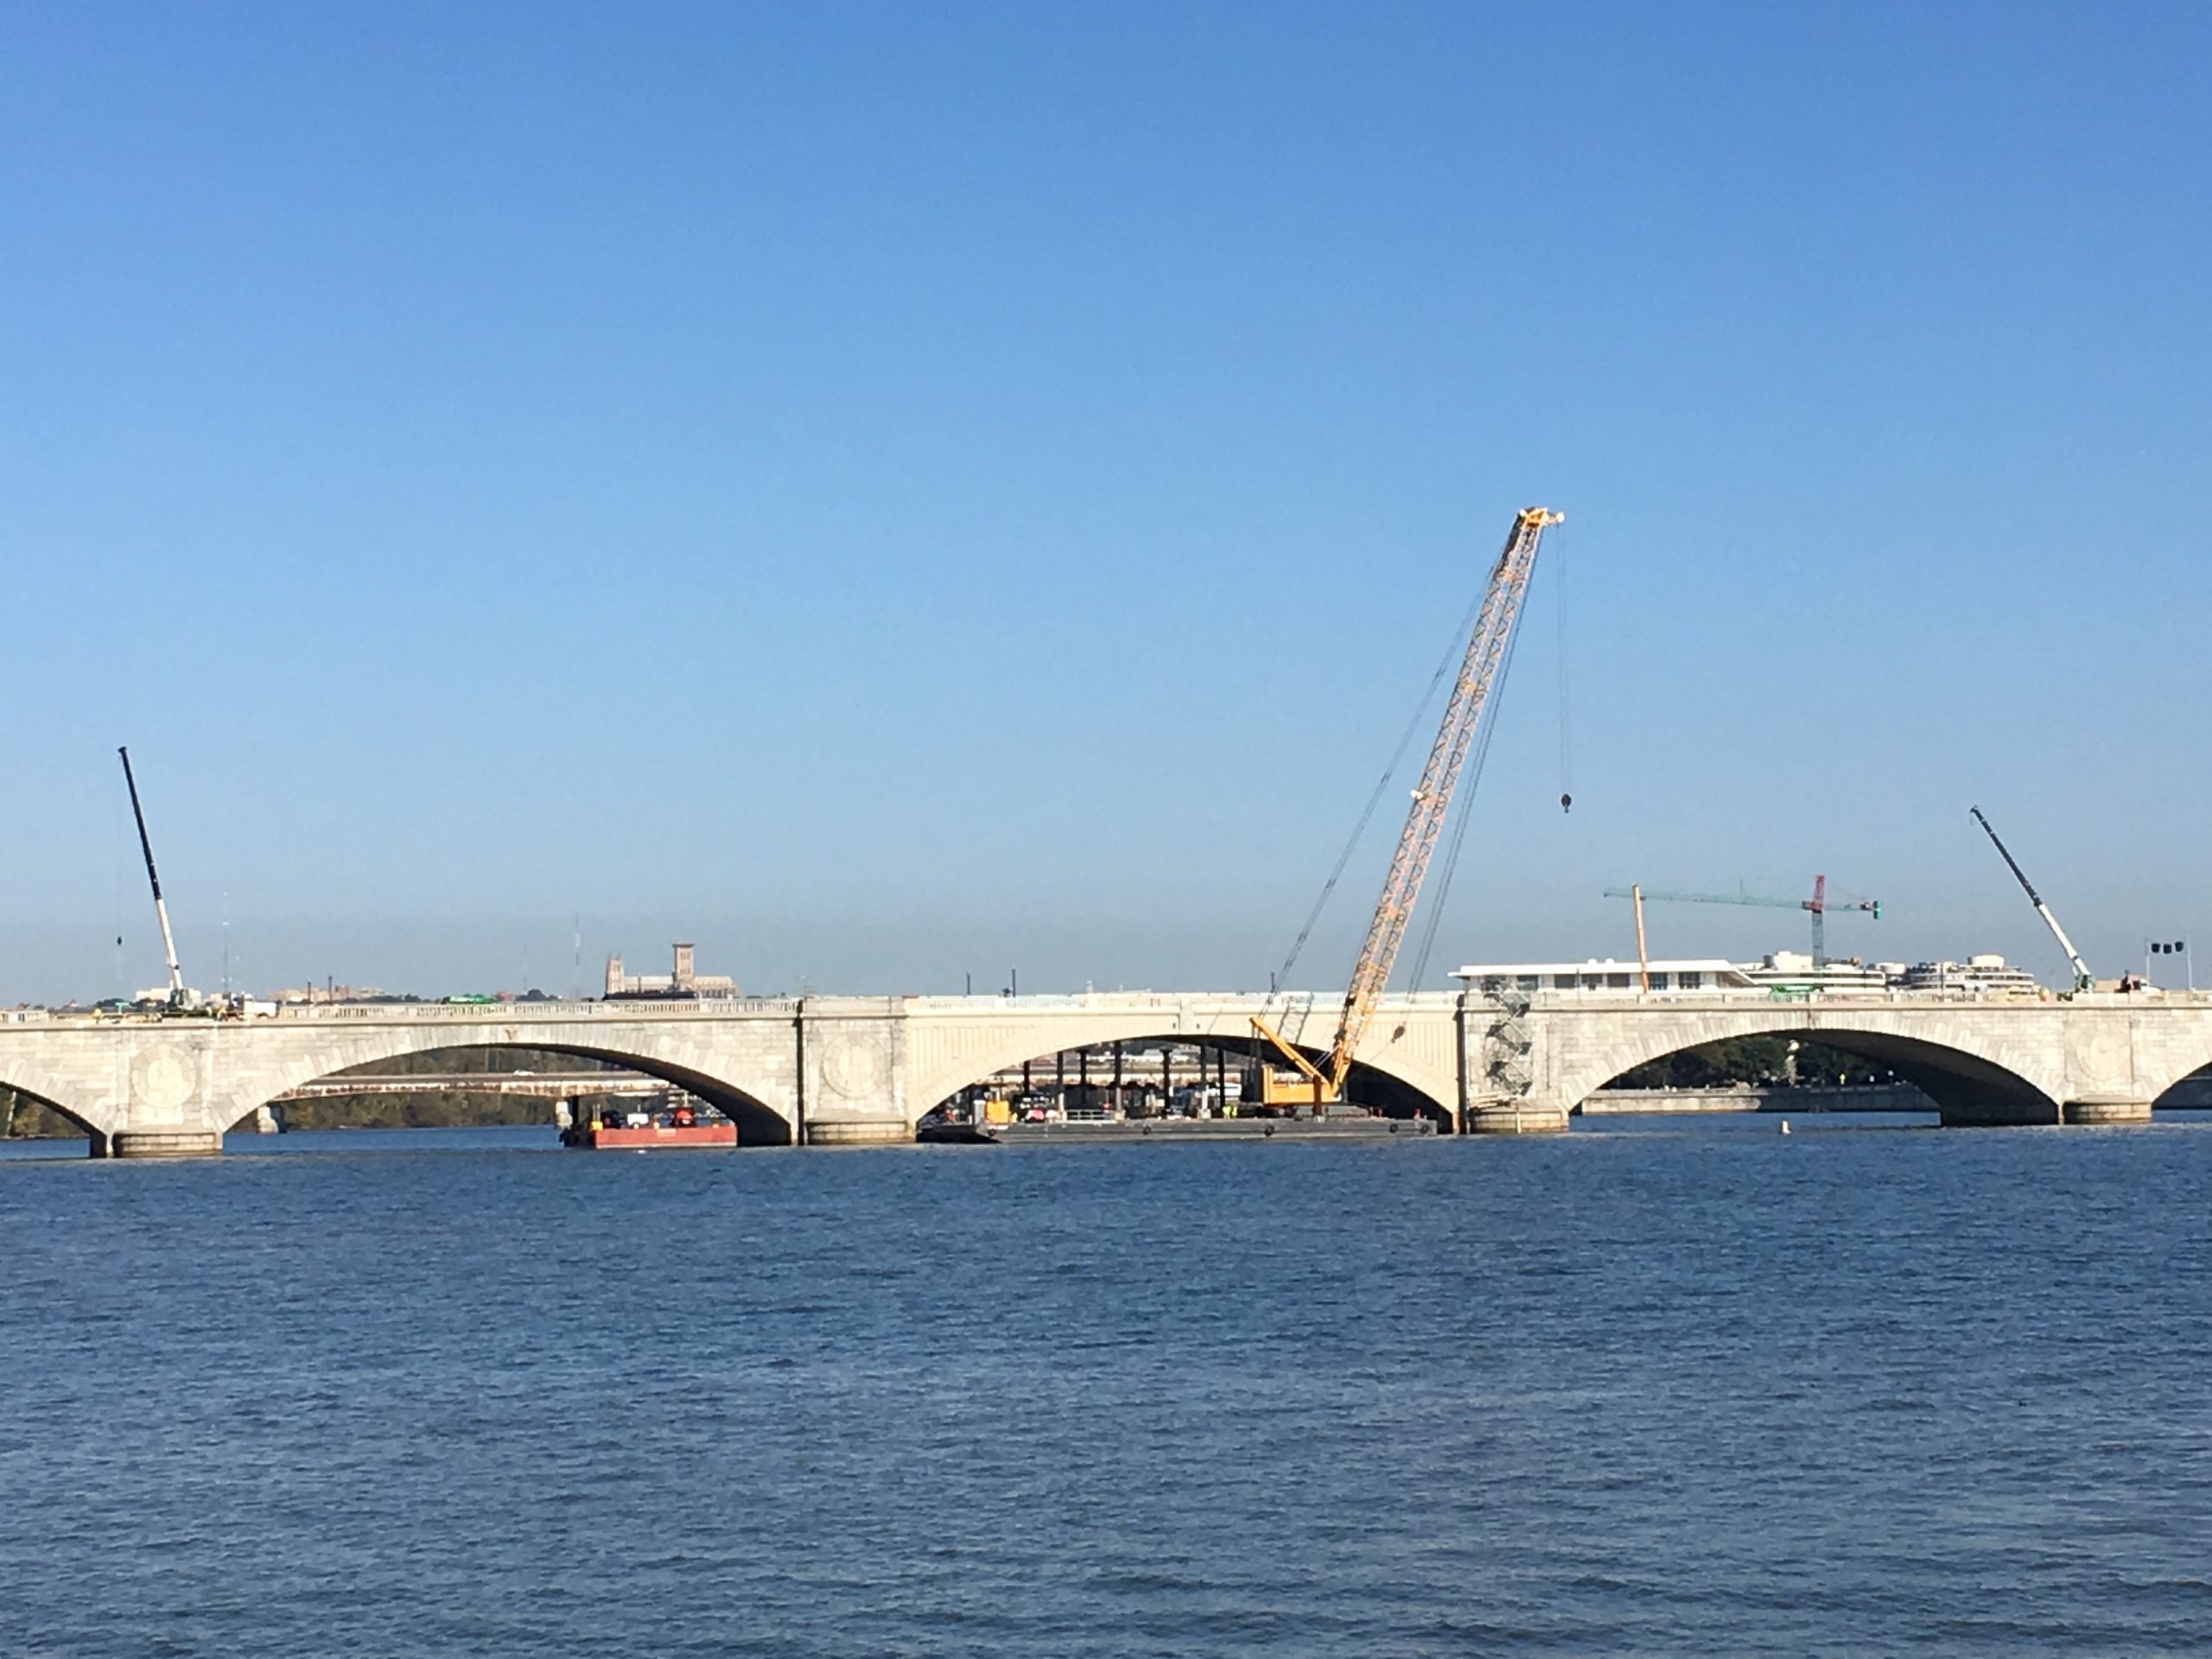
682	982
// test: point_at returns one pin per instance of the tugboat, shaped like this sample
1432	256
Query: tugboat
681	1125
942	1129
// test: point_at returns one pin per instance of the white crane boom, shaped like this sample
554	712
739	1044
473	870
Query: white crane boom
2082	979
160	910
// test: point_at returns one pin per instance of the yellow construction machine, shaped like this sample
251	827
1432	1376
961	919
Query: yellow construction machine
1312	1087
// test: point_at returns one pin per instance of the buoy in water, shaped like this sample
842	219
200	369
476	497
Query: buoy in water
1785	1126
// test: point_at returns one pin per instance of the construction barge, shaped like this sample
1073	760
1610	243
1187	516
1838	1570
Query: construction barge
1186	1131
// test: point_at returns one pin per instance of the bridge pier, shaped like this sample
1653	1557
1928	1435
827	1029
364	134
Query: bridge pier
1527	1115
866	1132
2105	1108
160	1143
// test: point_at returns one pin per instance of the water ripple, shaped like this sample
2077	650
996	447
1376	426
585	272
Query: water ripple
1683	1393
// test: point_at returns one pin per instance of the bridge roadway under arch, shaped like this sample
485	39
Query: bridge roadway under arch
847	1070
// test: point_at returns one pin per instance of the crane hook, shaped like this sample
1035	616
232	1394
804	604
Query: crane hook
1566	802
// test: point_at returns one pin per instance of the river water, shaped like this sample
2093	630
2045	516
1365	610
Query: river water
1691	1388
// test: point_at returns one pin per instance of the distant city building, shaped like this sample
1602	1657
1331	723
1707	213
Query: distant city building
313	993
1987	974
1793	972
683	982
1706	974
1785	973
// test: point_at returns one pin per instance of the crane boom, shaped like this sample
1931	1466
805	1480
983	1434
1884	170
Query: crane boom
153	877
1820	904
1655	893
1432	798
2082	978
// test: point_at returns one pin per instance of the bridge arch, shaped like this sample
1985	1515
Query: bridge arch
1394	1083
1949	1063
53	1099
759	1122
2166	1085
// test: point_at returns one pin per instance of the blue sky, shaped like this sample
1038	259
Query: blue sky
895	492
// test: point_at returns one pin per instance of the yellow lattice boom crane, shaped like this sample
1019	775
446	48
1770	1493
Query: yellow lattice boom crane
1323	1084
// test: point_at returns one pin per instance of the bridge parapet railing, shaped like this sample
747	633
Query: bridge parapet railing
544	1013
1116	1001
1749	1001
1104	1003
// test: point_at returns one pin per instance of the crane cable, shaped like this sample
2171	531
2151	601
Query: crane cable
1559	611
1452	651
1465	798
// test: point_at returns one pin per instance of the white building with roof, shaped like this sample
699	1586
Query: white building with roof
1791	973
1700	975
1783	974
1986	975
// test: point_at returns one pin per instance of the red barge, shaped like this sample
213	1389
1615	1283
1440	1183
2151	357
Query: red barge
682	1128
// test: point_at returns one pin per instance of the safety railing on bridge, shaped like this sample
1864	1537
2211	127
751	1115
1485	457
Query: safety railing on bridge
1308	1003
673	1008
1257	1002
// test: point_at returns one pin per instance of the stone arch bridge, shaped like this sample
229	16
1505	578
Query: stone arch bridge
834	1070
